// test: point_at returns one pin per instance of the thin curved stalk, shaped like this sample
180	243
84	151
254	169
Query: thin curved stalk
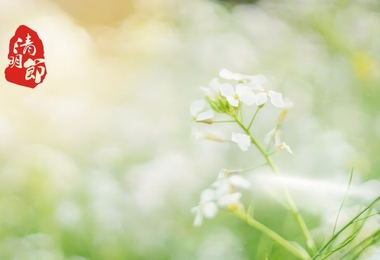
270	233
292	206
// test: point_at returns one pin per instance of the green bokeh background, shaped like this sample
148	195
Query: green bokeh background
99	162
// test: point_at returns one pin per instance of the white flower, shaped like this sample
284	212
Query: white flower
222	196
226	182
231	200
243	93
254	80
239	181
242	140
206	208
262	96
213	90
197	111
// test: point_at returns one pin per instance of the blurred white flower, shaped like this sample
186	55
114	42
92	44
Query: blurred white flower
243	93
242	140
227	182
206	207
206	135
197	111
223	195
253	80
230	200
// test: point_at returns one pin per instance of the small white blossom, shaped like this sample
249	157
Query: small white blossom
227	182
263	94
242	140
206	208
253	80
223	195
197	111
239	181
231	200
243	93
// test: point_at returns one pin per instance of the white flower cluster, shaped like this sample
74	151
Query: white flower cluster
227	97
249	90
222	194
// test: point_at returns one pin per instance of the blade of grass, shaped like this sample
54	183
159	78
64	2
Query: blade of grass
344	200
355	252
333	238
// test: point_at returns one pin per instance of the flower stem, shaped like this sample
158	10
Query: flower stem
253	118
292	206
270	233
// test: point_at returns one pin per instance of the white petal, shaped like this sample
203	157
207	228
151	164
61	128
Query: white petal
242	89
257	79
286	148
223	188
276	99
207	195
249	98
245	94
197	106
227	90
195	210
255	87
210	209
229	199
226	74
242	140
222	174
239	182
216	185
205	115
288	104
215	85
198	217
261	98
233	102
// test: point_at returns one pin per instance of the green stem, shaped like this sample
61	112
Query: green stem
292	206
270	233
253	118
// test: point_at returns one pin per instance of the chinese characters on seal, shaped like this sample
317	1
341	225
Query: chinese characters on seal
26	58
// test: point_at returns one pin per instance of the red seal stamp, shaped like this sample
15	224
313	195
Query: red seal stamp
26	58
